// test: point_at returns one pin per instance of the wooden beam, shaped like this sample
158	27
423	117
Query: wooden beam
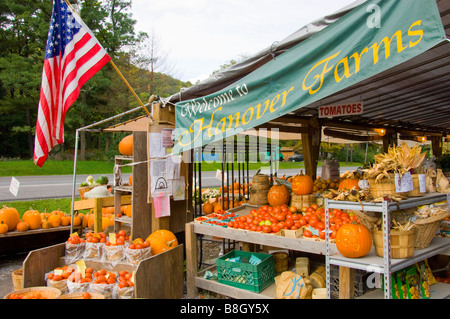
348	136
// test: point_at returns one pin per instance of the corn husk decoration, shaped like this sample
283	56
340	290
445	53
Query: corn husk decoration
398	159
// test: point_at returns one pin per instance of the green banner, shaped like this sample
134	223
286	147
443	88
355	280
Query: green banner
374	37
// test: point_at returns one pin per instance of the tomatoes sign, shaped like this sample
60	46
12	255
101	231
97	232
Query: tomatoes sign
344	109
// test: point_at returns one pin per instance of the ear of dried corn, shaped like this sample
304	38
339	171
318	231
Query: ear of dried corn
398	159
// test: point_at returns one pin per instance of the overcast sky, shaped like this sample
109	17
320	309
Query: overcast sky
200	35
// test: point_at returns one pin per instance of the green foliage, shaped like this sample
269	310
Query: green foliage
23	36
443	162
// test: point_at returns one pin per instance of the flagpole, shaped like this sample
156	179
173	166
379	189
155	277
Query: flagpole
120	74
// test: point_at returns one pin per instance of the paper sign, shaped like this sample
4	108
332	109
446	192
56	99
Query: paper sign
81	267
161	203
404	183
422	183
178	189
14	186
112	238
156	146
166	135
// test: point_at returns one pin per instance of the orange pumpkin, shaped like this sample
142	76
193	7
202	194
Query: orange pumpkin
126	145
130	180
353	240
65	220
46	224
3	227
161	241
10	216
54	219
59	212
76	220
107	210
128	210
208	208
302	184
278	195
22	226
349	183
33	218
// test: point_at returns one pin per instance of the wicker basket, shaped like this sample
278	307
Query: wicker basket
17	279
45	292
426	229
385	186
83	190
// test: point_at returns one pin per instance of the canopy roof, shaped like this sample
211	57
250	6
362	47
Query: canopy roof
410	97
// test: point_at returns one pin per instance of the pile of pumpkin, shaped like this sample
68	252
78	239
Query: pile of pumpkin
32	219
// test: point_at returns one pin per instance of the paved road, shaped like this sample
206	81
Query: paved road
58	186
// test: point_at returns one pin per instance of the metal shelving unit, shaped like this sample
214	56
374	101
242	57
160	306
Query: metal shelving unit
384	265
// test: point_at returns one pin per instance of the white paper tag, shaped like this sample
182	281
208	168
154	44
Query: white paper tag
422	183
14	186
403	184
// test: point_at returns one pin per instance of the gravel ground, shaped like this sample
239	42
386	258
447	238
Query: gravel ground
8	264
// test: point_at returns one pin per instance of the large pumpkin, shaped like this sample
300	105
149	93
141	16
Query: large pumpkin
10	216
33	218
349	183
161	241
278	195
302	184
126	145
353	240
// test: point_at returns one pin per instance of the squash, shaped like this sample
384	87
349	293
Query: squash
65	220
33	218
302	184
76	220
208	208
349	183
126	145
128	210
353	240
278	195
161	241
54	219
10	216
22	226
3	227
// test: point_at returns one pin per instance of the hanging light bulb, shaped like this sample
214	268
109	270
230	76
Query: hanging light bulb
422	139
380	131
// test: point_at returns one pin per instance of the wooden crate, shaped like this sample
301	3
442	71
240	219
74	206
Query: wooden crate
158	277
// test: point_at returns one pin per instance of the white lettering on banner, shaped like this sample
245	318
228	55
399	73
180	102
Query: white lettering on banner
345	109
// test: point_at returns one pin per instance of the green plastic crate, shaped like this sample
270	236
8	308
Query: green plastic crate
244	275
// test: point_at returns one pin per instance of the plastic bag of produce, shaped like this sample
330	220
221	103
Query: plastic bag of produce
98	192
93	251
137	251
74	252
76	283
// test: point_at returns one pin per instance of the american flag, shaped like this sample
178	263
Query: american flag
72	56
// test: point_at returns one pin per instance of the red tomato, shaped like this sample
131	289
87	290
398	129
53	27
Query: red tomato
295	217
294	227
275	229
320	226
307	233
322	234
289	223
293	209
267	229
231	224
313	222
302	221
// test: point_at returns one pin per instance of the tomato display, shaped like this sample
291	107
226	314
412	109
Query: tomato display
272	219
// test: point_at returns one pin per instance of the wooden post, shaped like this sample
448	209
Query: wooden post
436	145
141	210
390	138
191	260
311	147
346	282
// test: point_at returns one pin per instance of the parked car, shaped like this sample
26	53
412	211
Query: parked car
296	158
